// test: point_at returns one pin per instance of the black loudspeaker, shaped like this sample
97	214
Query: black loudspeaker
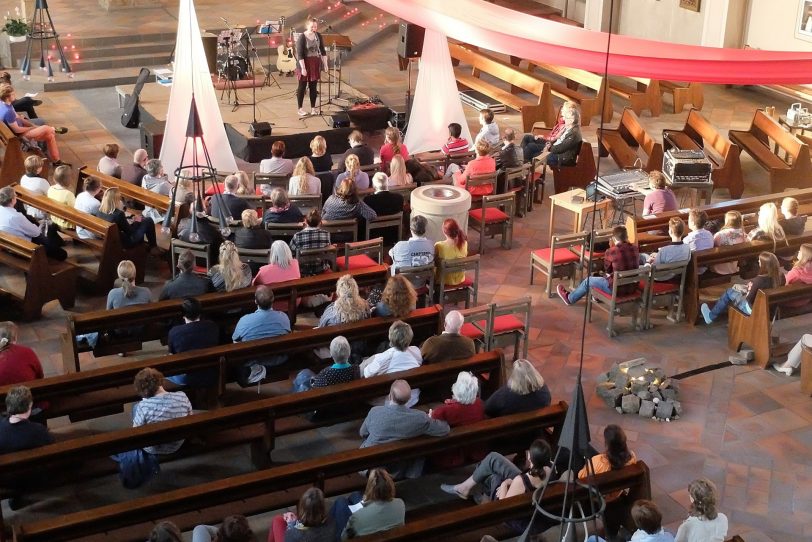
341	120
152	136
410	40
260	129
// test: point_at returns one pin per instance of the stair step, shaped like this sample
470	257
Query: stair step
126	61
96	79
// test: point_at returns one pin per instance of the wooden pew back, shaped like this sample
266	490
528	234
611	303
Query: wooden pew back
766	129
593	81
12	166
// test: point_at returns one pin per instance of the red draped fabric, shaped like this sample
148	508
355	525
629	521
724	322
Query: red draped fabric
507	31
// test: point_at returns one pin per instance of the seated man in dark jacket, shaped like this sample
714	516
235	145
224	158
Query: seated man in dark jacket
233	204
187	283
384	202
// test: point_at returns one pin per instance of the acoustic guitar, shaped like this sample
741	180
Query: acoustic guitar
286	64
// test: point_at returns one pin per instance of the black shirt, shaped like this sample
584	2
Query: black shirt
234	204
192	336
322	163
186	284
254	238
504	401
794	225
288	216
366	156
385	203
22	435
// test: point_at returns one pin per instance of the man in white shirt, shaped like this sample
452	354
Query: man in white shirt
400	357
87	203
36	184
15	223
415	251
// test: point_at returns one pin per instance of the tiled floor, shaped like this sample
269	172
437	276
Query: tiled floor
747	429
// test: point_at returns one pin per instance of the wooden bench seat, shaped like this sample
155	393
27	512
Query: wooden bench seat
591	105
795	171
755	330
12	165
802	93
688	94
624	143
227	307
44	279
642	94
203	503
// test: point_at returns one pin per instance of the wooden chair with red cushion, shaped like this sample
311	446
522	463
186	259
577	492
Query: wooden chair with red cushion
468	289
476	181
510	324
383	223
517	180
361	254
495	217
318	256
423	277
618	305
563	259
672	290
477	326
201	251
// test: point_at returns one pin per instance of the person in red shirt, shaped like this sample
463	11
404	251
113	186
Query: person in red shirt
17	363
393	146
463	408
483	163
622	256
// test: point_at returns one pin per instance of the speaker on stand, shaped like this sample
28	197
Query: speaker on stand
410	46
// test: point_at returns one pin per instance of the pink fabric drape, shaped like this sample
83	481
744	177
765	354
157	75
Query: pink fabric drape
500	29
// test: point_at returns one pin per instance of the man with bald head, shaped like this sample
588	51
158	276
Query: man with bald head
135	172
396	421
450	344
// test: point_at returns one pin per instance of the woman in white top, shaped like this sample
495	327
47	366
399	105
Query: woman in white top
705	524
156	181
398	176
33	182
304	180
400	357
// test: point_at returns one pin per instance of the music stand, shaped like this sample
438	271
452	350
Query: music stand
269	29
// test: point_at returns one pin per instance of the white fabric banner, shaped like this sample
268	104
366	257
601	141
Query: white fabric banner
192	74
436	98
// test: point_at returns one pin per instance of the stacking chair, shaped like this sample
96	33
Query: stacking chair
371	169
283	231
273	181
342	230
600	238
201	251
468	289
483	179
423	277
318	256
517	180
259	203
477	326
617	305
384	222
494	217
360	254
459	158
306	202
671	290
559	260
510	324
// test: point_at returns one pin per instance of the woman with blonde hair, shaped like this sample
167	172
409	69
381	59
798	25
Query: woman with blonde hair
483	163
304	180
398	298
348	307
133	229
252	235
731	233
321	161
706	523
353	173
393	146
525	390
281	266
742	296
801	272
230	273
769	228
127	293
398	176
243	184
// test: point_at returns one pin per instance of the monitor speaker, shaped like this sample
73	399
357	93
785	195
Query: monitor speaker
410	40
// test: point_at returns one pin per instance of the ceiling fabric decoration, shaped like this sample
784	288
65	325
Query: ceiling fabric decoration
507	31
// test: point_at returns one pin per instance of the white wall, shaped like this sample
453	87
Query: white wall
663	20
772	26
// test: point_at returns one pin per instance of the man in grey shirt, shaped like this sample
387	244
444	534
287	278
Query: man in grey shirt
415	251
676	252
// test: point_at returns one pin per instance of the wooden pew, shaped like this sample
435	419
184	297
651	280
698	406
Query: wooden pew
334	473
795	171
226	306
467	523
756	330
690	94
44	279
699	134
645	94
590	105
108	247
797	93
518	78
577	176
806	371
624	142
12	166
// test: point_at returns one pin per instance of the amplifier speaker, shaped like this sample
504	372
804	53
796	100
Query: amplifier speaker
260	129
410	40
340	120
152	137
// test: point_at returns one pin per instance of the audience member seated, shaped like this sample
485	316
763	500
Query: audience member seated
311	236
15	223
675	252
340	372
346	204
732	233
533	145
33	182
421	173
801	272
127	293
661	199
230	273
27	129
61	192
234	529
525	391
135	172
165	531
415	251
184	192
769	228
563	151
398	298
455	143
187	283
393	146
25	104
793	358
353	172
464	407
310	523
622	256
699	238
384	202
277	164
281	211
320	160
193	334
108	164
449	345
375	511
792	223
244	185
706	523
263	323
742	296
489	131
282	266
348	307
509	155
399	357
366	156
88	202
455	245
156	181
252	235
233	205
649	522
396	421
304	181
18	363
483	163
616	455
133	229
18	433
398	174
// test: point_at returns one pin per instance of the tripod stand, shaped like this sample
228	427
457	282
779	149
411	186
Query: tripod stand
232	74
43	30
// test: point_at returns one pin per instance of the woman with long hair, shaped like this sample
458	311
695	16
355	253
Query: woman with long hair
731	233
380	510
281	266
133	229
304	180
742	296
706	523
127	293
398	299
801	272
398	174
454	246
353	173
244	187
310	522
345	204
769	227
322	162
230	273
348	307
525	391
393	146
312	59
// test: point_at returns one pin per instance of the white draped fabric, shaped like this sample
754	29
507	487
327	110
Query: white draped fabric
436	99
192	74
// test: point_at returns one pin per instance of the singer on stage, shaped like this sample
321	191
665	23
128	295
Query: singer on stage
312	57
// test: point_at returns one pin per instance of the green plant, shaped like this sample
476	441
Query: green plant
15	26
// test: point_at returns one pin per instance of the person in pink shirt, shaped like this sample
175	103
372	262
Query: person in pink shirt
483	163
392	146
281	267
801	272
661	198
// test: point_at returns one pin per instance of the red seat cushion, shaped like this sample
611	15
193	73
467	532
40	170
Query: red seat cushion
492	215
506	323
358	261
661	288
464	284
472	331
200	270
620	298
597	256
561	256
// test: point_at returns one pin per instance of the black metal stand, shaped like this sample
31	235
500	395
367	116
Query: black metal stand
42	30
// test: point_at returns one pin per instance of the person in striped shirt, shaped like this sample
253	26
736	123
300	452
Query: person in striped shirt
455	143
158	405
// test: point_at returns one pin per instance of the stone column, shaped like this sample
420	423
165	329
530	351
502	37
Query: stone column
596	14
724	23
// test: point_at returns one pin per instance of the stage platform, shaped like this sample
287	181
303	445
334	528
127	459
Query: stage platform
274	105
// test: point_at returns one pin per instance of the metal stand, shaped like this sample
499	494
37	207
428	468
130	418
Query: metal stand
229	87
42	29
408	95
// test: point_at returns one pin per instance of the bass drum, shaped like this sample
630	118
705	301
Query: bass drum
233	68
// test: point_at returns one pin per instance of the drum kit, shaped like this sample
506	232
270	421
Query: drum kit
233	53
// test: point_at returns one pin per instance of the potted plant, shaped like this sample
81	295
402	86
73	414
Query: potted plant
15	27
